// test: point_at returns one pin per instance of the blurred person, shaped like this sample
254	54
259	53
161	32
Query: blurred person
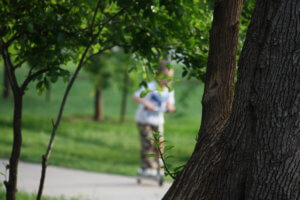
150	117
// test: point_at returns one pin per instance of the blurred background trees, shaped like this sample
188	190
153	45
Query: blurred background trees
45	36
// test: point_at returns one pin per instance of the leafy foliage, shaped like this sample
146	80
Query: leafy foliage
100	70
108	69
245	20
48	34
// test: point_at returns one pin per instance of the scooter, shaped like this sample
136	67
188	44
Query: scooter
158	177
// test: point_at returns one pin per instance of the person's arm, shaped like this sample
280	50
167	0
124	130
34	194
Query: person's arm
149	106
171	108
171	103
136	98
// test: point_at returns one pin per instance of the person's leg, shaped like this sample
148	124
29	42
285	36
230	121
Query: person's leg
147	147
160	130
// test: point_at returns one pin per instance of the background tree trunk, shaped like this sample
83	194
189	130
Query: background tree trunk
6	86
11	184
217	97
124	96
257	156
98	115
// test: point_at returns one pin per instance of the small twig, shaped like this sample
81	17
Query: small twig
53	124
111	18
97	53
20	64
94	17
99	31
59	116
162	156
13	38
9	66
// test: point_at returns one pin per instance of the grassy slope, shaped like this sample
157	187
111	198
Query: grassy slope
106	146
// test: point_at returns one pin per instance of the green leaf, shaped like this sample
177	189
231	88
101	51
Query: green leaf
151	155
61	37
179	168
184	73
156	143
30	28
144	84
170	87
66	78
46	83
54	78
167	148
144	93
170	156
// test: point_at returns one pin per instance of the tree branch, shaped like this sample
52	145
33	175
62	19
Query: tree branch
94	17
31	76
20	64
13	38
157	140
10	68
97	53
46	156
99	31
102	25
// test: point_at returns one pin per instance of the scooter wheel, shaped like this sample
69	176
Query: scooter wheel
138	181
161	181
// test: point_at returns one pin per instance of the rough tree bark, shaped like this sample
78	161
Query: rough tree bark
98	115
218	92
124	96
257	155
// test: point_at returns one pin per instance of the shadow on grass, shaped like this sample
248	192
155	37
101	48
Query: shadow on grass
6	123
45	124
89	118
36	125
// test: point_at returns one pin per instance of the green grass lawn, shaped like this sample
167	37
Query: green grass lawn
25	196
97	146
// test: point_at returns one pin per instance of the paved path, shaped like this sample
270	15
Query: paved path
85	185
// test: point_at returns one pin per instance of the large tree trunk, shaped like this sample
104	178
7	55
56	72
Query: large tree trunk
98	110
6	86
218	91
257	155
124	96
218	94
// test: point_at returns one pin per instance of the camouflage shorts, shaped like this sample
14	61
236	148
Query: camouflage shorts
147	146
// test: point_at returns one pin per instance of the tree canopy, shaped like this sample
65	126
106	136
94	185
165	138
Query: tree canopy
48	34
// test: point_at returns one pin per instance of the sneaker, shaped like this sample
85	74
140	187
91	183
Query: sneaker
140	171
161	163
150	172
161	172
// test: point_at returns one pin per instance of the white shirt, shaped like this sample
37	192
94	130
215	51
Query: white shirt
159	99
